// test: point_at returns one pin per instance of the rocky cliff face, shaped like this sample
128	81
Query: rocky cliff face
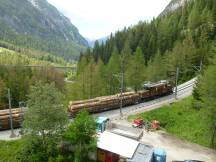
172	6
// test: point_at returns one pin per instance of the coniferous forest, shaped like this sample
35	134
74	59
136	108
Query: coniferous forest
150	51
37	71
16	75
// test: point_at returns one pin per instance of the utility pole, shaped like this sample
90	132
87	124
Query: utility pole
122	86
176	83
11	118
201	64
120	78
21	106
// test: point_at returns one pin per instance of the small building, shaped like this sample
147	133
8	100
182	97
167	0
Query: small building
113	147
101	124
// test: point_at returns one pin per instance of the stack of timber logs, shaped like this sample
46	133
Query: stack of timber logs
103	103
99	104
5	121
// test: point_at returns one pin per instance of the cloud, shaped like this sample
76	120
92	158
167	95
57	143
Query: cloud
98	18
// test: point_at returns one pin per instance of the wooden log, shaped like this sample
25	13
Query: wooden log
13	116
82	101
13	111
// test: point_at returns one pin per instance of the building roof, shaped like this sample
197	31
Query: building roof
117	144
144	153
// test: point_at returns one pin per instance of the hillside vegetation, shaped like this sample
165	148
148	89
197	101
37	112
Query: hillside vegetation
9	57
38	25
150	51
194	118
6	148
183	121
19	79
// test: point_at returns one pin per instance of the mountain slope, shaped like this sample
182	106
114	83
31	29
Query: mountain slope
37	24
152	51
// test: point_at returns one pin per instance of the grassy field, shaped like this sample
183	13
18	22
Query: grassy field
8	150
182	120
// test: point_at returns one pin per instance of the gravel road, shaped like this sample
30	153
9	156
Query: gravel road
178	149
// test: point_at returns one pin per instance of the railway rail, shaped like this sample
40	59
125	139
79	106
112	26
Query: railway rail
129	110
17	114
183	92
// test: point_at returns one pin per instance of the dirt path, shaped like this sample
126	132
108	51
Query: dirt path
178	149
5	135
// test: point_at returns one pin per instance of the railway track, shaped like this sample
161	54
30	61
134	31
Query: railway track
184	90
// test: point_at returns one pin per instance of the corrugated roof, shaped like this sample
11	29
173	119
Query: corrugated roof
144	153
117	144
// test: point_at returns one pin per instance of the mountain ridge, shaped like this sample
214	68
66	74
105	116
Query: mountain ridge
91	42
38	22
172	6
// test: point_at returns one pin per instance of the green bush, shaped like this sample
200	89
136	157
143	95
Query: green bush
9	150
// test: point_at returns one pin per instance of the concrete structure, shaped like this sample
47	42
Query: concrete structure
124	130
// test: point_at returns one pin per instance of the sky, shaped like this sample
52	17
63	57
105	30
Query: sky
98	18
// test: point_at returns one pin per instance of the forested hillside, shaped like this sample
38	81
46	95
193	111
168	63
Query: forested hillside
36	24
19	78
150	51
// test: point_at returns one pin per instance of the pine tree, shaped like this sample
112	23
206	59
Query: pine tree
81	64
99	79
207	92
80	88
184	56
156	69
184	17
2	94
96	50
113	69
124	60
136	70
90	70
194	17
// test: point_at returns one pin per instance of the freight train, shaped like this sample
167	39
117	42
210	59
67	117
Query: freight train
98	104
16	117
104	103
